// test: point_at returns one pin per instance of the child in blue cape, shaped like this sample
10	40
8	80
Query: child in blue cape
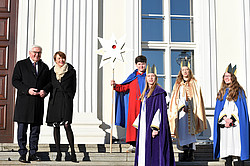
231	124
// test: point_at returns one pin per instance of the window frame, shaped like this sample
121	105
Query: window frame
166	44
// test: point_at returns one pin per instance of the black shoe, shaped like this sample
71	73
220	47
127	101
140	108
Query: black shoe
59	157
184	156
73	157
228	161
23	159
191	155
34	158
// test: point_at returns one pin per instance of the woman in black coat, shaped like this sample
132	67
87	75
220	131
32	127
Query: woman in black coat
60	108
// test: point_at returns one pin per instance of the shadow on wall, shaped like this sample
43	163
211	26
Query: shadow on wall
121	134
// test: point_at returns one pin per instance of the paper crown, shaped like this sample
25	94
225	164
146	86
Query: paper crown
184	59
233	70
185	63
151	69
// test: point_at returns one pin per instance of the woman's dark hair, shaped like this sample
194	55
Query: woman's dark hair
140	58
61	54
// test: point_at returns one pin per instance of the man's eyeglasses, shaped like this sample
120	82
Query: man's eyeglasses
36	52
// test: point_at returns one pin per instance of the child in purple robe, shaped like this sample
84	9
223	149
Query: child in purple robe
154	144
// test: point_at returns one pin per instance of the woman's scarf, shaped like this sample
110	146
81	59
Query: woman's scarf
60	71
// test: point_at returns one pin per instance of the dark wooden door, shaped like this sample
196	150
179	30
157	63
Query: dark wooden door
8	45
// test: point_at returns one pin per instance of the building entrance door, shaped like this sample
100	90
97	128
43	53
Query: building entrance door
8	45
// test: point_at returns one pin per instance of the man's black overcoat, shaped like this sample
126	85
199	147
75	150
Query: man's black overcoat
29	109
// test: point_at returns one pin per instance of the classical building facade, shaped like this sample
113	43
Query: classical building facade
213	33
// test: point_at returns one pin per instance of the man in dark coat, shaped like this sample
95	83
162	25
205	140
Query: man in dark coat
30	76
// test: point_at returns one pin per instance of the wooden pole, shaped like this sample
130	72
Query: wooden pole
112	112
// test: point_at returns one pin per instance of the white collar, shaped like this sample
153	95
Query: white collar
33	61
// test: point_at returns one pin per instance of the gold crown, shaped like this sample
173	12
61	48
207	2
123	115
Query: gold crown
233	70
185	62
151	69
184	59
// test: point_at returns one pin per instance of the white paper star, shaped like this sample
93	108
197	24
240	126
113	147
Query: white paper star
111	50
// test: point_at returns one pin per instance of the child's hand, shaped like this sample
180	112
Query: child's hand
154	133
185	109
228	120
112	82
227	125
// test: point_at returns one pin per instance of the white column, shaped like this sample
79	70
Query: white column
133	32
246	10
78	33
206	58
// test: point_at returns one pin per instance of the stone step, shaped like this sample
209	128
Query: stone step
208	163
65	147
111	163
94	156
66	163
96	152
50	156
203	152
95	148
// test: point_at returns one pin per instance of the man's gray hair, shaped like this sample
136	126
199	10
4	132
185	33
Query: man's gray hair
36	46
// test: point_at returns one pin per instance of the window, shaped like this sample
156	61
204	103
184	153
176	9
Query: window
156	57
167	33
181	15
152	20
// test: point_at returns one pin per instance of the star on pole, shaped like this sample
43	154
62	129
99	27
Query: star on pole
111	50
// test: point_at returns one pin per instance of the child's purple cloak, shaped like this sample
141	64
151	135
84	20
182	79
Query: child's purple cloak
159	150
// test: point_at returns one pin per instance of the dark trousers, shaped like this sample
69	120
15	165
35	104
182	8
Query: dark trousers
22	138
